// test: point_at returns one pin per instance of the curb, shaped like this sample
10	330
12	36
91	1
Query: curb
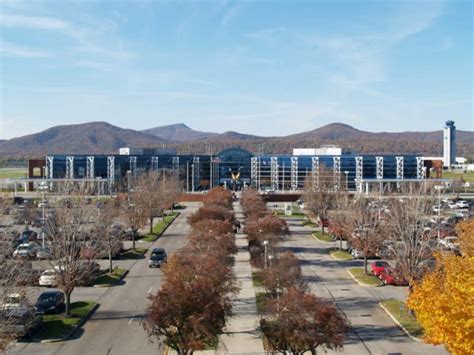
360	283
76	327
398	323
164	229
319	240
332	256
116	283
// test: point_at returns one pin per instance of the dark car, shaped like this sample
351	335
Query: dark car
19	322
157	257
28	236
50	302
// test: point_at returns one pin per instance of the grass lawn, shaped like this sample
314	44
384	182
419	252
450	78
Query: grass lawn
257	278
468	176
399	311
261	297
13	173
133	254
56	326
368	279
306	222
340	254
322	237
110	279
159	227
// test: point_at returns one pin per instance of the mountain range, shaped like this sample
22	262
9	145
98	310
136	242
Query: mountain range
104	138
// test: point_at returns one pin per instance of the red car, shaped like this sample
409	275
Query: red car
379	266
392	276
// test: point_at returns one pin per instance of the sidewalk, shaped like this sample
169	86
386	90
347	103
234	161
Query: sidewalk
242	334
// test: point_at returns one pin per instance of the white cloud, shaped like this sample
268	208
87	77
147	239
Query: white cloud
12	50
32	22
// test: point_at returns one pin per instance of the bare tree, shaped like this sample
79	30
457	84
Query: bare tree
320	193
135	211
341	217
66	232
109	232
407	227
367	234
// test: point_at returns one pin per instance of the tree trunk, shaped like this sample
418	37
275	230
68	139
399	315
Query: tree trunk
133	239
151	224
340	243
68	303
110	260
365	263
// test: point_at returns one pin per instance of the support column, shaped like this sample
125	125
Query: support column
154	163
254	163
90	172
70	167
315	172
111	172
294	173
133	166
399	170
420	169
274	172
336	171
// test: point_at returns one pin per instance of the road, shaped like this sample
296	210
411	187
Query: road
373	332
115	327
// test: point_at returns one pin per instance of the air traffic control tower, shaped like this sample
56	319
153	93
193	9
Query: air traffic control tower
449	144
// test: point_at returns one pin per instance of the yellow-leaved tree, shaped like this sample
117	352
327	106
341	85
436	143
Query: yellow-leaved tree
444	300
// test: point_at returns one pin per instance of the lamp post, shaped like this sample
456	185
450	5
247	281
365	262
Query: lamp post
43	187
439	188
192	177
265	243
187	176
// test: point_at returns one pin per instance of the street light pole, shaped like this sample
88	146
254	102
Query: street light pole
187	176
43	187
346	172
192	177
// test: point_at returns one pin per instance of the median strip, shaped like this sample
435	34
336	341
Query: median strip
57	327
362	278
339	254
322	237
398	311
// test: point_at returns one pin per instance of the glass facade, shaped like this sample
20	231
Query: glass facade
236	167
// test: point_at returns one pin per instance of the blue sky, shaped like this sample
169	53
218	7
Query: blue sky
261	67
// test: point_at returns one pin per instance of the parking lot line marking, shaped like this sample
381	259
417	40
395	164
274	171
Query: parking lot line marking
149	291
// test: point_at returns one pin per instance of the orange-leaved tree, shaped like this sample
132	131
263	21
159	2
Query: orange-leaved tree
444	299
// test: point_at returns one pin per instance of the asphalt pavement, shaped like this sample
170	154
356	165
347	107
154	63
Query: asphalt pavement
372	331
115	328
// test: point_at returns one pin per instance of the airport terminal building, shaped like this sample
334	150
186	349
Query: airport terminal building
232	167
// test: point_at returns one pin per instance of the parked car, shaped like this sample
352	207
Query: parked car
50	302
378	266
392	276
20	322
27	250
43	253
437	208
48	278
157	257
462	204
28	236
450	243
14	300
452	205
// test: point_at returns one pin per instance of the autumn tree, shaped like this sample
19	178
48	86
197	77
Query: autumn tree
320	193
135	211
283	273
366	225
253	205
191	308
109	233
212	212
220	197
443	300
299	322
408	230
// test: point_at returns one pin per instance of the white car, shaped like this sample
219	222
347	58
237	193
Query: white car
450	242
452	205
14	300
48	278
26	250
437	208
462	204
